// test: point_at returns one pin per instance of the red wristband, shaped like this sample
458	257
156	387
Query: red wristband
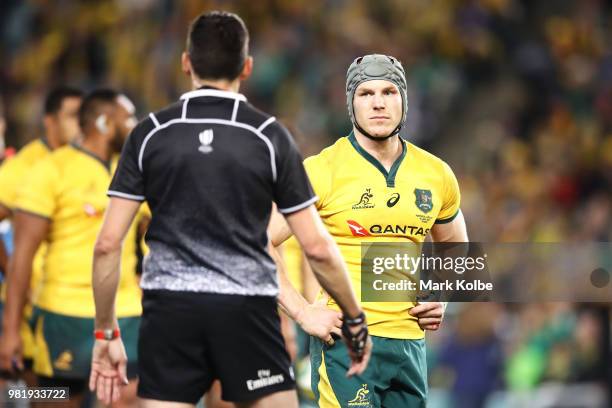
109	334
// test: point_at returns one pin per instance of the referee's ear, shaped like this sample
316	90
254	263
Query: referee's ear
185	63
247	69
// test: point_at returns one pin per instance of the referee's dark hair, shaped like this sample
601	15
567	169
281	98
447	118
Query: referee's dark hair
55	98
95	104
218	45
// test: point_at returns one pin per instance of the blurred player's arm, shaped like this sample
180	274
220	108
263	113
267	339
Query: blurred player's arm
5	212
107	259
29	232
3	258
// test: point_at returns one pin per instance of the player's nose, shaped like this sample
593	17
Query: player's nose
378	102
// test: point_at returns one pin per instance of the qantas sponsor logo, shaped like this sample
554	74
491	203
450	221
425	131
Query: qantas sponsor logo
356	229
385	229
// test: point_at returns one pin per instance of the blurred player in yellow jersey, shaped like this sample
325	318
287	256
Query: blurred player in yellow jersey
60	127
63	203
368	183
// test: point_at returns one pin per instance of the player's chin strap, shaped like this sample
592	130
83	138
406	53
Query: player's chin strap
377	139
356	341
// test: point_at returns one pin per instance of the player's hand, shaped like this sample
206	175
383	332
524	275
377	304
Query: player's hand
320	321
429	315
108	369
358	342
11	359
359	363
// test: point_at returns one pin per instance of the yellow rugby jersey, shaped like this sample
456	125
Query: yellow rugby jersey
69	188
359	201
13	173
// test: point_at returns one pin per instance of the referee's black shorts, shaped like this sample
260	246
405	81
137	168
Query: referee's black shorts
189	339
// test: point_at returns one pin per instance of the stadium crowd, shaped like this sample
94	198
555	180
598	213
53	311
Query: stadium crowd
515	95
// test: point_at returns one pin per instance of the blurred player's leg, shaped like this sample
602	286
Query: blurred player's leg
213	398
280	399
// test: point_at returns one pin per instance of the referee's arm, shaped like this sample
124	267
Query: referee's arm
107	258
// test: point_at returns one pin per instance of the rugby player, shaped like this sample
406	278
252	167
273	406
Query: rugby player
365	181
61	126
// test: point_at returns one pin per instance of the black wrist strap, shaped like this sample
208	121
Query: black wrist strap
355	341
354	321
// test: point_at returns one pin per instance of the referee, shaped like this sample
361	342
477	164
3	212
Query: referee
210	166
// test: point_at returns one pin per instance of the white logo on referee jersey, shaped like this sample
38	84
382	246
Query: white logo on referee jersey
206	138
264	380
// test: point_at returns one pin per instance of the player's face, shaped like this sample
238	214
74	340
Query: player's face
67	119
378	107
125	122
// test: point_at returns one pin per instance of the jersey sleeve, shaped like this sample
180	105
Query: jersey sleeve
128	181
292	189
452	196
38	195
11	173
320	177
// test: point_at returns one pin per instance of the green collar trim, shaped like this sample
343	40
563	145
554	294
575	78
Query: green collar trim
389	176
106	164
45	142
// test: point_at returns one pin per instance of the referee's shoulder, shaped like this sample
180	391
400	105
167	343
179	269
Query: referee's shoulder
155	121
261	121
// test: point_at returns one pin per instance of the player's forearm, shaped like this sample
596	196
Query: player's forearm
290	301
105	281
3	258
17	285
5	212
329	269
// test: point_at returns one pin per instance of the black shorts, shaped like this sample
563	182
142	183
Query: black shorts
189	339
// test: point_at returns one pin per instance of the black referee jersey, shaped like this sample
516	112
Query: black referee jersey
209	166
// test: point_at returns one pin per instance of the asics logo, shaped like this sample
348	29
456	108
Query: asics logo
393	200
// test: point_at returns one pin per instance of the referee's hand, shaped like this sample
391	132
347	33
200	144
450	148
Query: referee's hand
108	370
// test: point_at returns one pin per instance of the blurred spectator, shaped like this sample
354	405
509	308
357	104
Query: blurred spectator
516	95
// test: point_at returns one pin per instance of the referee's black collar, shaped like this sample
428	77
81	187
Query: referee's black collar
210	91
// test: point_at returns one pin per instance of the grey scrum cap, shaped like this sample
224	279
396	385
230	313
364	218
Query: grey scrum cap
375	66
